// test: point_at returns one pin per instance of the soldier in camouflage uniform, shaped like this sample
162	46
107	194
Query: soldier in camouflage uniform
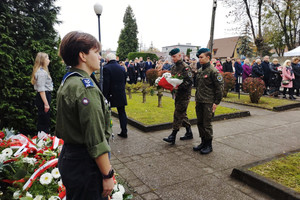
209	94
182	97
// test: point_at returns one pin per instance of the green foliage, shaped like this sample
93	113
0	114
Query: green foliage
128	41
245	44
133	55
149	114
188	52
255	87
152	75
136	87
284	171
282	19
26	28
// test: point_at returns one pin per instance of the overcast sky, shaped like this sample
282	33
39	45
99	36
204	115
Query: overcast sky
163	22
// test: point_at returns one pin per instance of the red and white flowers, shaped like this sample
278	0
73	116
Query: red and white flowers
169	82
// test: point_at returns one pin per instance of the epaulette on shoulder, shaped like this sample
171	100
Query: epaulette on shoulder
69	74
87	82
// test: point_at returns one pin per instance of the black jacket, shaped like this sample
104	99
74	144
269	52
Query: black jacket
275	77
257	71
296	70
266	67
114	84
227	66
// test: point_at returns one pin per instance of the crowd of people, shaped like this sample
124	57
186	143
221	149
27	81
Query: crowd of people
274	75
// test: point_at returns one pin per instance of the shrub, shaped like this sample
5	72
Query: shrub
255	87
152	75
136	87
229	82
133	55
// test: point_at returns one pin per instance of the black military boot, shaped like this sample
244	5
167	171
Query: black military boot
207	147
188	135
200	146
171	138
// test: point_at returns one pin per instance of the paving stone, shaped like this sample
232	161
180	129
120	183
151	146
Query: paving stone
119	166
135	182
164	170
115	162
137	157
223	157
127	174
125	159
142	189
150	196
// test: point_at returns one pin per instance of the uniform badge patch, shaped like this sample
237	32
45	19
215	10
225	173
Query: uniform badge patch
88	82
190	74
85	101
220	77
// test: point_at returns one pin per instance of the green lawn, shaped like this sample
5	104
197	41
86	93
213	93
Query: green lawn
285	171
148	113
264	102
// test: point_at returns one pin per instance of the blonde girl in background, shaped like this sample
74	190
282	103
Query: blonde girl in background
43	85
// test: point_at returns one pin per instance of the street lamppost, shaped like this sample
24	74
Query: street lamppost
98	10
212	27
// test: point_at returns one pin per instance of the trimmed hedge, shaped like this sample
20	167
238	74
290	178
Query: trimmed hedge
133	55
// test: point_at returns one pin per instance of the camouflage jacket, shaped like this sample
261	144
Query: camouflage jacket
184	71
210	85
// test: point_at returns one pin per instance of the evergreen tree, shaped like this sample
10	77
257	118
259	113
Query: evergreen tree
128	41
245	44
26	28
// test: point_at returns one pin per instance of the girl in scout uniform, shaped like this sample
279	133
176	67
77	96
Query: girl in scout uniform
83	122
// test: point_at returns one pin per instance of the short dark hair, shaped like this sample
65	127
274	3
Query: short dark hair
74	43
208	54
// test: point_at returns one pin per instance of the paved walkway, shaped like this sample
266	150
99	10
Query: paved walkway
157	170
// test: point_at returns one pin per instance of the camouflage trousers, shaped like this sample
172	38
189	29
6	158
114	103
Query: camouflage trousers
180	116
204	117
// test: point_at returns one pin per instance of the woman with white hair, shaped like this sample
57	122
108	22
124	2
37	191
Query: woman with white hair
287	79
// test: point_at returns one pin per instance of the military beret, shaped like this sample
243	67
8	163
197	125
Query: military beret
202	50
174	51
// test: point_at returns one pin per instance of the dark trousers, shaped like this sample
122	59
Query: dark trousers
122	119
204	117
80	174
291	91
43	123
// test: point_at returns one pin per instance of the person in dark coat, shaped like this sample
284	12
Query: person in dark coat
266	67
275	78
238	72
114	90
137	70
257	70
131	73
296	70
148	64
227	65
142	69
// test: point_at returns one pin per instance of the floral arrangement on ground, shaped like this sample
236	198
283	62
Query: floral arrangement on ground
28	168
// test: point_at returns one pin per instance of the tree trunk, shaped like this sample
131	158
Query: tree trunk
144	97
129	94
159	94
